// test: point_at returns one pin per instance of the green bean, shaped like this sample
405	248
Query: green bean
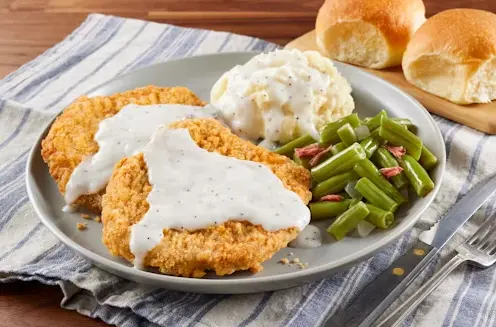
347	134
370	144
344	195
394	133
375	134
348	221
380	218
329	133
374	122
336	148
334	184
427	159
313	183
353	202
326	209
406	123
340	163
305	162
324	144
384	159
288	148
417	176
365	168
375	195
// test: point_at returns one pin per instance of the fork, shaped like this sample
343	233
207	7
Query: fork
478	250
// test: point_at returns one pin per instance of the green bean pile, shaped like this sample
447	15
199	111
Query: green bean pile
357	161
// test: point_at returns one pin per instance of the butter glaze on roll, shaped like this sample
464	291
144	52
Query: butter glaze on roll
453	55
369	33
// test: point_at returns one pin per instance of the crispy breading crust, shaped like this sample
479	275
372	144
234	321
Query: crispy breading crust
71	136
226	248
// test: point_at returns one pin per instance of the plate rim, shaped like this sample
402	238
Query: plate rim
308	273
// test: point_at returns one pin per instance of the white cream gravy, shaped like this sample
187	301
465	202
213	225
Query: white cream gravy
193	189
123	135
309	237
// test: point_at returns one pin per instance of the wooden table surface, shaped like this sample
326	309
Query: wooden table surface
29	27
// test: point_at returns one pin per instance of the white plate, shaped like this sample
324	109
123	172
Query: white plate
371	94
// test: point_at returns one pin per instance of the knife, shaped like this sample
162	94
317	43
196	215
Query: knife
377	296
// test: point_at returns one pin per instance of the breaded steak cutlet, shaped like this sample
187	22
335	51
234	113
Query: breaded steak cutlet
71	136
224	249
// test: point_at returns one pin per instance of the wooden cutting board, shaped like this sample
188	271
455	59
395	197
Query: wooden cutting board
479	116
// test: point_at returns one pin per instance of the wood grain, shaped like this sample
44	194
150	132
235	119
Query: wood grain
29	27
39	24
481	116
30	304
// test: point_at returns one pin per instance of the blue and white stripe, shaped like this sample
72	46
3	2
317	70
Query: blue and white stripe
104	47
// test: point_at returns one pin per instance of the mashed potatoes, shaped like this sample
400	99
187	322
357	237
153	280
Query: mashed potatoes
281	95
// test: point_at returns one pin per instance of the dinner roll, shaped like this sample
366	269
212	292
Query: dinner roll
369	33
453	55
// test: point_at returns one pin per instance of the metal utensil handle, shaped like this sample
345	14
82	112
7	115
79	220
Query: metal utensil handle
377	296
396	318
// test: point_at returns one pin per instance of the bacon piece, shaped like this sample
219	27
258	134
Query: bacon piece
397	151
308	151
391	171
316	159
332	198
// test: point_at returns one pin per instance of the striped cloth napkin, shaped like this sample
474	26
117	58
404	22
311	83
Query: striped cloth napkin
104	47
